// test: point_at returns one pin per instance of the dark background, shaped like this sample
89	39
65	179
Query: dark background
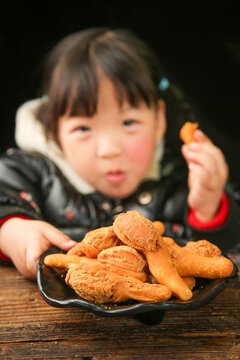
199	46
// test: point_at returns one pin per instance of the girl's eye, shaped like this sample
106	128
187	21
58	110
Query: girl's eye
129	122
82	128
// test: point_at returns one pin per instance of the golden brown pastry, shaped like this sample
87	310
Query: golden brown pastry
160	226
190	281
95	241
123	256
124	260
62	261
203	247
107	287
67	261
135	230
187	131
189	263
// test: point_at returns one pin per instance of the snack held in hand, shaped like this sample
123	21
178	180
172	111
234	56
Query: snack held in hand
132	260
187	132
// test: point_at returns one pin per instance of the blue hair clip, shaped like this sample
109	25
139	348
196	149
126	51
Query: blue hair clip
44	98
164	84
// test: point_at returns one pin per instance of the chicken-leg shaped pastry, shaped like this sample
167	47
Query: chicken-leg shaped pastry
67	261
189	263
106	287
95	241
135	230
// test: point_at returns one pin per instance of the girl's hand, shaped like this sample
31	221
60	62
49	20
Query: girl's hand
23	241
207	176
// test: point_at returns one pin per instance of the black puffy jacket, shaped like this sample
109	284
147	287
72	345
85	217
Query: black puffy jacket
32	185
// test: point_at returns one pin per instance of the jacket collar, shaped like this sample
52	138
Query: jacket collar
27	123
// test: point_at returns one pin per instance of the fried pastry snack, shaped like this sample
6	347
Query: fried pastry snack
105	286
95	241
190	281
160	226
186	133
67	261
124	260
189	263
135	230
64	261
203	247
123	256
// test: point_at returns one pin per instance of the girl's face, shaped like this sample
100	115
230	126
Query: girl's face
112	150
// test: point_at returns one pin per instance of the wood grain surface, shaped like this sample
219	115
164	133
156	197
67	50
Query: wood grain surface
31	329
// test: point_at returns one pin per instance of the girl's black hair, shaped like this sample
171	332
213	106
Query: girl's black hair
72	73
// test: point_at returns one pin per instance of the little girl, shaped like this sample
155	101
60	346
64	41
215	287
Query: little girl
93	147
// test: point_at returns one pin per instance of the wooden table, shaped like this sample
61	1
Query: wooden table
31	329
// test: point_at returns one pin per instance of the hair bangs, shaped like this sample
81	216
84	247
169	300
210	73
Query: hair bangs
127	71
79	88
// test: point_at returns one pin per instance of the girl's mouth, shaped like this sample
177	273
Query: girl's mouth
116	177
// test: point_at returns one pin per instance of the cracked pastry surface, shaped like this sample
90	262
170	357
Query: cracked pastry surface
203	247
105	286
123	256
134	230
95	241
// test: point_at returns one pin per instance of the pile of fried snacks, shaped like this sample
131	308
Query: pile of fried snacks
133	260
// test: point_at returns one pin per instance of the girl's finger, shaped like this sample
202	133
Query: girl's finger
214	162
32	254
206	145
200	176
201	137
205	160
58	238
200	152
207	154
20	264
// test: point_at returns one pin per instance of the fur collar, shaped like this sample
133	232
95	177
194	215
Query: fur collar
30	137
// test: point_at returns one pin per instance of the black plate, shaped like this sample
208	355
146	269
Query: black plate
57	293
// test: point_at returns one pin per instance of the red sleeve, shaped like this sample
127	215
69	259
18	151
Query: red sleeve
214	223
2	221
4	258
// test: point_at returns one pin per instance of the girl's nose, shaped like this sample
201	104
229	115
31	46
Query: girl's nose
108	145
